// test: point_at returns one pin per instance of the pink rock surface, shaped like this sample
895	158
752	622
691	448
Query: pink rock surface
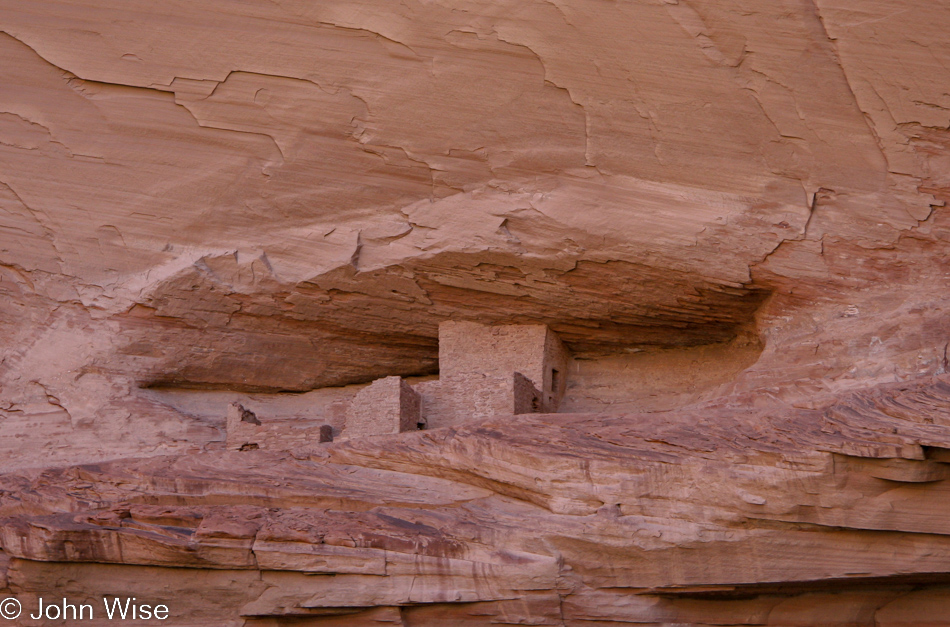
731	212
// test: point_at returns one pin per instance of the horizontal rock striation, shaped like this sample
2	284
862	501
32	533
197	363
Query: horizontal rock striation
731	212
780	516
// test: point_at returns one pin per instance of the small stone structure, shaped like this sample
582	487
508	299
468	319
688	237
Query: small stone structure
384	407
245	431
484	371
495	370
526	398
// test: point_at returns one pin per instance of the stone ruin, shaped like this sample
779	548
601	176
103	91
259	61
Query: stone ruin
245	432
384	407
494	370
484	371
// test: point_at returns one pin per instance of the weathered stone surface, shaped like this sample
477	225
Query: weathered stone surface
487	370
557	518
732	213
246	431
386	407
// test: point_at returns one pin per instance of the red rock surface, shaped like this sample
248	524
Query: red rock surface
732	213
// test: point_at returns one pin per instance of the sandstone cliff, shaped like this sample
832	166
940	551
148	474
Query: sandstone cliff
731	212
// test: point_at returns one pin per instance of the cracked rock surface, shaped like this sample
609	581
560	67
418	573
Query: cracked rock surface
732	212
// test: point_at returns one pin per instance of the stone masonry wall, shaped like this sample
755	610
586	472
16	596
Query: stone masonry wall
484	371
477	368
386	406
557	360
526	398
470	348
245	431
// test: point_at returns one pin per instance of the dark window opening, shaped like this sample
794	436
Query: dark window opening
248	416
555	380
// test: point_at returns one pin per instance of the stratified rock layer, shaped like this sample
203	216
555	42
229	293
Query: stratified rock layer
833	517
732	212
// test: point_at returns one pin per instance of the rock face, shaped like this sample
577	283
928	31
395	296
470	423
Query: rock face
730	214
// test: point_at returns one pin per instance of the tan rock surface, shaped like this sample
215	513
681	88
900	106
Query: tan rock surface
732	213
682	517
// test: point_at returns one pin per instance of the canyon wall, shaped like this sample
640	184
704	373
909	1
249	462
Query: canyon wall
731	212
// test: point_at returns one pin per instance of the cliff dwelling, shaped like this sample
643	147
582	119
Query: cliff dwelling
466	313
484	371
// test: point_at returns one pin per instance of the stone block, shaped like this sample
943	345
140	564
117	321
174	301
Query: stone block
525	397
386	406
495	370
